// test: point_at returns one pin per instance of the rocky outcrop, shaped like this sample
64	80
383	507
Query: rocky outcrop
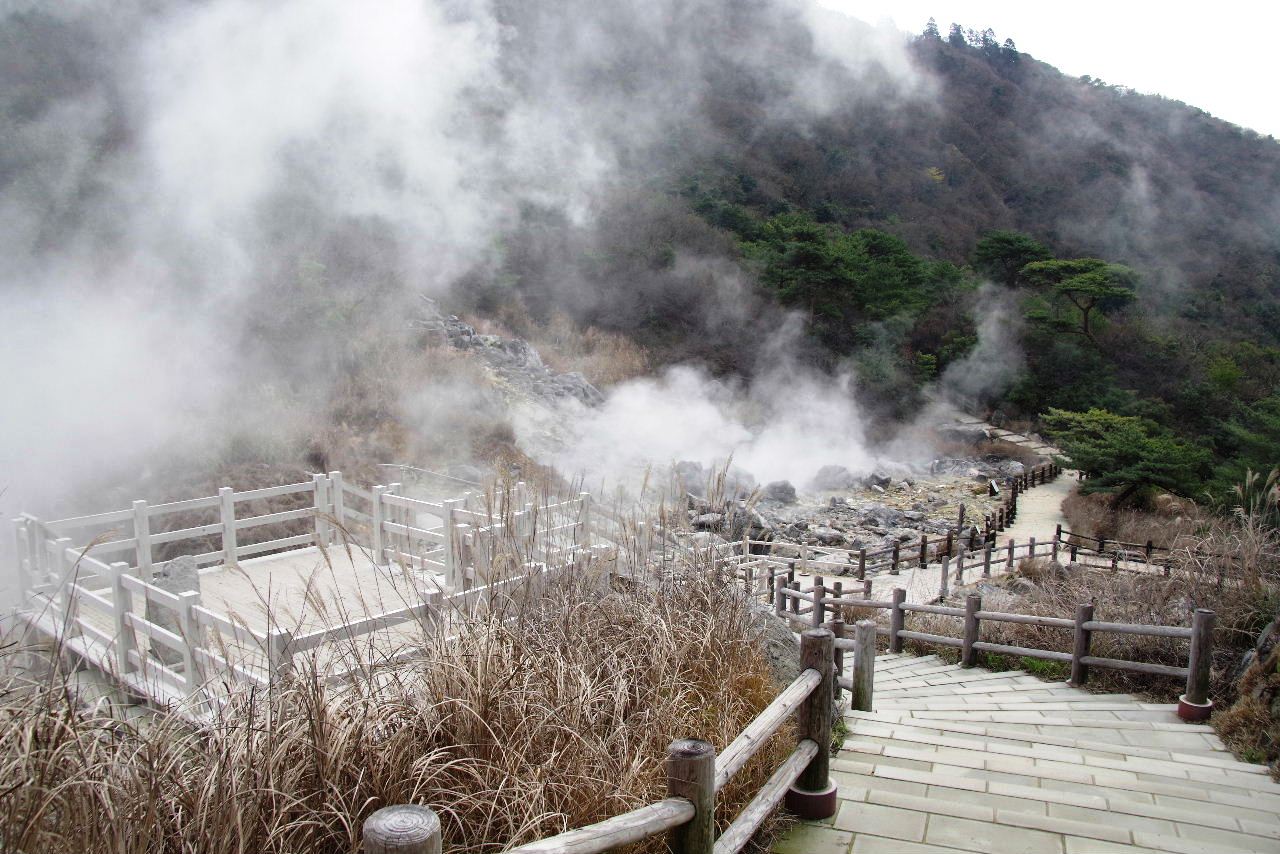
512	359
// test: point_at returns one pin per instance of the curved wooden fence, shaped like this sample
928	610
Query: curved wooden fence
695	773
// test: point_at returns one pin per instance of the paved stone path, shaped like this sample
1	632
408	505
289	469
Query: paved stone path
956	759
1040	511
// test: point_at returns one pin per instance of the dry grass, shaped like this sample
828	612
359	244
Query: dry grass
1172	523
545	714
604	358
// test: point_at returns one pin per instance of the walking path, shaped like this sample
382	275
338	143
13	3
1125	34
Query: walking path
956	759
1040	511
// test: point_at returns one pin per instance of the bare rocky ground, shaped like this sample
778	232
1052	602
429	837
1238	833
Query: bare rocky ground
839	510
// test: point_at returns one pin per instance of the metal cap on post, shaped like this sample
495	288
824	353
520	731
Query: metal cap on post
691	774
814	795
1195	705
402	829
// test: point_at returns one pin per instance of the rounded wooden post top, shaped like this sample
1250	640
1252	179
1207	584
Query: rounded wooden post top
406	828
819	634
690	748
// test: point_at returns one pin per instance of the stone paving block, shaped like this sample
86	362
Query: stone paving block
808	838
1115	819
881	821
867	844
990	838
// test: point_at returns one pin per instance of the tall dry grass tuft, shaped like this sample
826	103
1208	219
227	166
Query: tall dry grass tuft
545	713
1172	521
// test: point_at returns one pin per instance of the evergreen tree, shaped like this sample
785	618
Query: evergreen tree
1126	456
1088	284
955	37
931	30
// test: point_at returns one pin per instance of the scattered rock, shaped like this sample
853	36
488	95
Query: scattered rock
708	522
780	490
834	478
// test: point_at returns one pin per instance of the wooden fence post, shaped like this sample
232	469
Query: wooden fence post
1195	705
1031	548
864	665
942	585
337	499
866	588
814	795
1009	563
1057	542
227	505
960	568
188	628
986	563
897	619
279	659
122	604
142	533
691	774
1080	670
375	524
862	563
779	598
818	617
837	627
924	549
402	829
320	485
972	605
893	569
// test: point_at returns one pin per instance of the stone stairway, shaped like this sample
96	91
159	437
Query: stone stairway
956	759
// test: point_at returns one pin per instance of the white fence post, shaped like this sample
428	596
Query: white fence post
227	503
375	522
453	571
22	541
584	520
62	567
339	502
142	533
191	639
320	485
122	605
400	516
279	659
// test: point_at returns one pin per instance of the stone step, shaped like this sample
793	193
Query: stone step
945	737
1135	744
1158	813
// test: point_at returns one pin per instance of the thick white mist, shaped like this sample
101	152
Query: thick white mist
785	425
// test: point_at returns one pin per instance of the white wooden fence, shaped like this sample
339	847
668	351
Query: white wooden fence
169	647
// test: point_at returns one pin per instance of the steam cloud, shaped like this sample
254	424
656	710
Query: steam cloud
210	210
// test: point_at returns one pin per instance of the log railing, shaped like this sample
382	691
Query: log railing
694	776
1194	704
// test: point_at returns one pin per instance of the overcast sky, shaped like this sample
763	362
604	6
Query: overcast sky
1221	56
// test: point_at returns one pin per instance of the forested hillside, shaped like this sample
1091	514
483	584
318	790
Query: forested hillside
692	176
881	219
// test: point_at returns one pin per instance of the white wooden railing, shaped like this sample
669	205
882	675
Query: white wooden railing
168	645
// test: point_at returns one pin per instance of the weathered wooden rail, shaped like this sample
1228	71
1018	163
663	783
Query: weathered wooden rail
695	774
1193	705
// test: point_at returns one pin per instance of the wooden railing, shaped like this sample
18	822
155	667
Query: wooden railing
166	645
1193	705
695	774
